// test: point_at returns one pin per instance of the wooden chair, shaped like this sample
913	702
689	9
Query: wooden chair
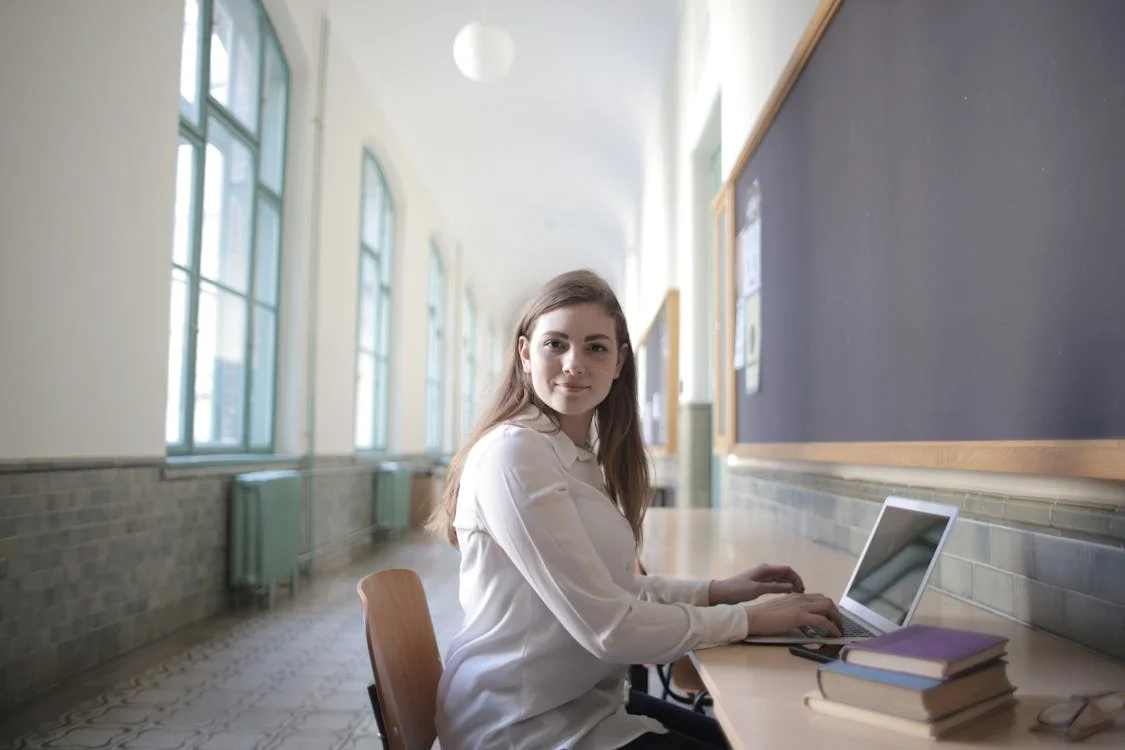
404	658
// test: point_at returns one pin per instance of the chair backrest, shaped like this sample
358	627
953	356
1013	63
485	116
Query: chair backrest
404	656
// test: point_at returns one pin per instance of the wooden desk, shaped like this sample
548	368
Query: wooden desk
757	689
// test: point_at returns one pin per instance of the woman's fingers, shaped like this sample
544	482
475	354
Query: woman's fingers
825	607
822	623
785	574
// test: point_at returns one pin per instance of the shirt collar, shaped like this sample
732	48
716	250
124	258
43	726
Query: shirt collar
568	451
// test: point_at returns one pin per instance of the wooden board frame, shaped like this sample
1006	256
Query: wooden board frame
1101	459
670	308
723	421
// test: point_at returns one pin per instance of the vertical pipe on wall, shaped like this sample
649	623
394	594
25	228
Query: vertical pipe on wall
314	285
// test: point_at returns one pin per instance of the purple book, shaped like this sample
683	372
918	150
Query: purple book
926	650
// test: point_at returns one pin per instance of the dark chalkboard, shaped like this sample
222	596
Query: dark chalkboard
658	389
943	228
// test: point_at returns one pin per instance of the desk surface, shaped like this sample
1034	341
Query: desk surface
757	689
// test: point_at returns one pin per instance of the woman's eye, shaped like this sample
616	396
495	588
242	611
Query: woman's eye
600	348
553	344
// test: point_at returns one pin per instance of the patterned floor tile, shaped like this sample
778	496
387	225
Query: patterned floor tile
370	741
154	696
325	722
161	739
87	737
282	701
124	715
305	742
193	718
354	700
257	719
237	741
224	697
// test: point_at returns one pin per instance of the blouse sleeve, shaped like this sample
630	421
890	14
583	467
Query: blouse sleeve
524	503
655	588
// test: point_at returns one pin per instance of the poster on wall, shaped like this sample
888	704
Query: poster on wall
748	330
750	251
740	333
752	345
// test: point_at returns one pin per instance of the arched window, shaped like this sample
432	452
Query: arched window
435	356
226	252
373	347
469	380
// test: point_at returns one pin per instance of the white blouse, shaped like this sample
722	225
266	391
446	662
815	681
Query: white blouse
554	609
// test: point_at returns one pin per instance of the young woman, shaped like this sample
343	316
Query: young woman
546	503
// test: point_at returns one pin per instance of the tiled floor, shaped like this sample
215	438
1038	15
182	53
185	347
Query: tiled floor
291	679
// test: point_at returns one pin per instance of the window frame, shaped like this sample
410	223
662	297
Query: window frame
469	352
383	258
435	355
197	134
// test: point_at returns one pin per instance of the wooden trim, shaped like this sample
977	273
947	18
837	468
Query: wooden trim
723	209
672	397
1100	459
670	305
732	295
724	441
821	17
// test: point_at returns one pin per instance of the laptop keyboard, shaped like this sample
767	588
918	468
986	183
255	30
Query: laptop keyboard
851	629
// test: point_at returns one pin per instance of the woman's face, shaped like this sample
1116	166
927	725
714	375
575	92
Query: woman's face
573	358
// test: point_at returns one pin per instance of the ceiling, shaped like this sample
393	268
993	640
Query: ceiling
542	171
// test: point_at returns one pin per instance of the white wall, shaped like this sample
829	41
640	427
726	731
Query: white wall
87	148
756	39
736	50
87	174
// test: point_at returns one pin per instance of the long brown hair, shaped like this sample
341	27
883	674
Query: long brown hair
620	451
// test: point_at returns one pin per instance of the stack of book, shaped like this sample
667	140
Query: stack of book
921	680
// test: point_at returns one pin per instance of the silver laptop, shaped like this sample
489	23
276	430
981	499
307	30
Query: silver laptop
890	576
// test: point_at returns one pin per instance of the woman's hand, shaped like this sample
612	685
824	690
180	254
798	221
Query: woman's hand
783	613
750	584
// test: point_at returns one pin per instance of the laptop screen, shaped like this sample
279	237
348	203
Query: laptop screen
897	560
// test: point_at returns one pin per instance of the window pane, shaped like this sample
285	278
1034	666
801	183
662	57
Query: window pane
721	323
228	195
268	252
177	357
388	248
373	198
220	368
368	289
275	98
235	37
261	377
432	349
189	61
382	403
184	223
365	401
383	345
432	407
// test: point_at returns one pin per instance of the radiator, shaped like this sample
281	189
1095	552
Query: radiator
264	531
391	498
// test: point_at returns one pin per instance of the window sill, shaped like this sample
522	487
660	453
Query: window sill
198	467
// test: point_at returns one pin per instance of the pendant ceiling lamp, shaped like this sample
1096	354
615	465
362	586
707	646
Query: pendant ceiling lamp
483	51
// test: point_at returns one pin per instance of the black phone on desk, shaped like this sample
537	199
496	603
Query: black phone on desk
821	652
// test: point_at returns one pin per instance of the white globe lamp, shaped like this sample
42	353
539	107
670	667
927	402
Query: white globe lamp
483	51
